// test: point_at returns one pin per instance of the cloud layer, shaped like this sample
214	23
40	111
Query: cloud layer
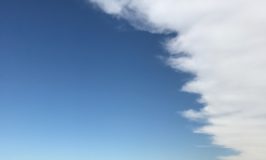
224	43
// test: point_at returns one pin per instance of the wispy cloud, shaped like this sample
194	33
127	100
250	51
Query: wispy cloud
225	46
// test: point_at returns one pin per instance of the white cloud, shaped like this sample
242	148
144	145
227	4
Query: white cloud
225	43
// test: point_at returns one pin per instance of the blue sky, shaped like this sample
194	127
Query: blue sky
79	84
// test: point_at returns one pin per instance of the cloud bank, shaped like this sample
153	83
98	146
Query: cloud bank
224	42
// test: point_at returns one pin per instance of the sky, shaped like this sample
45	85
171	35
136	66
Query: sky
127	80
79	84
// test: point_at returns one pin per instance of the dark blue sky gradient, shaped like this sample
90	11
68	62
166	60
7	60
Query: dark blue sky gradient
78	84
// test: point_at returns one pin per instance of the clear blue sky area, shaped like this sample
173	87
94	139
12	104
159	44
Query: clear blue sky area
76	84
